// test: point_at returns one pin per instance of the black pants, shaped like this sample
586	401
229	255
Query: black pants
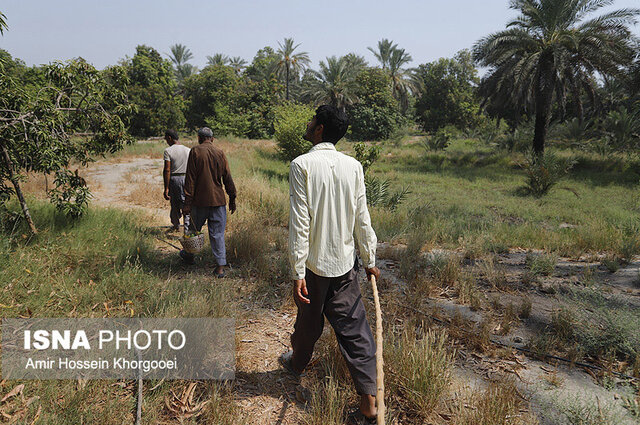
340	300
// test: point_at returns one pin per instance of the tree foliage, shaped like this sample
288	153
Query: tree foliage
218	59
447	93
180	55
263	65
231	104
375	116
77	114
335	83
290	125
3	23
153	91
392	59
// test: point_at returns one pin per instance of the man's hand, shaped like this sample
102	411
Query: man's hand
166	195
186	209
300	291
373	271
232	205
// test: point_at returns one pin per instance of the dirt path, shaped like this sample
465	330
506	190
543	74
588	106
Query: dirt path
112	183
265	393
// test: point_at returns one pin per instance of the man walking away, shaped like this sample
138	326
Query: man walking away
328	217
175	167
207	171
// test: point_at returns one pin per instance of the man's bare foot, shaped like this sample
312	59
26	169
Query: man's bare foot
219	272
368	405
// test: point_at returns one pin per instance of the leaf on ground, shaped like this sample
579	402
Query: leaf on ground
14	392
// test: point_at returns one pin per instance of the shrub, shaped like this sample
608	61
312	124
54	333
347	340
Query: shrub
399	135
541	264
611	263
289	126
544	172
517	141
367	155
629	247
622	127
438	141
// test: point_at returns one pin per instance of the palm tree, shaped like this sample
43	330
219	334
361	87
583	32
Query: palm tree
334	83
392	59
218	59
290	63
385	47
180	55
550	44
356	62
237	63
3	23
401	80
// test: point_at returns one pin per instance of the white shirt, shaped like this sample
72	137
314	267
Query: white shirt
328	211
178	155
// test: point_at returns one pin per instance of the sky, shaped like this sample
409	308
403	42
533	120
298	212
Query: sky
105	31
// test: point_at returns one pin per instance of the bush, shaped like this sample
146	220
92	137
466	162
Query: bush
289	126
438	141
518	141
544	172
366	155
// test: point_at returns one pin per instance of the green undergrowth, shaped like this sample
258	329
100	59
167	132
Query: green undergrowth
103	264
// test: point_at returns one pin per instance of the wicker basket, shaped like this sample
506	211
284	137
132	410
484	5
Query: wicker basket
194	244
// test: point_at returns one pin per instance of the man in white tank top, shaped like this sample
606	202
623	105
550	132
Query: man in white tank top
175	167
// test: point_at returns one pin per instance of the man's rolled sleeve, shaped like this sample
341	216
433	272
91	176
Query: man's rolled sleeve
363	231
298	221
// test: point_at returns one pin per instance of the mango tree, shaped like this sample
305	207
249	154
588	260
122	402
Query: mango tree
77	114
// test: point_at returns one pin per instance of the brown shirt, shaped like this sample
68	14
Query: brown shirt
207	170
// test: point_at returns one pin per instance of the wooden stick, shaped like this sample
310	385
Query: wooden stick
379	359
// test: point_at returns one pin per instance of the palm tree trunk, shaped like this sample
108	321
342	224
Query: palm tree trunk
544	97
580	108
287	77
16	184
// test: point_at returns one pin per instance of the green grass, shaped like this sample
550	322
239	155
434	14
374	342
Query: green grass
103	265
472	190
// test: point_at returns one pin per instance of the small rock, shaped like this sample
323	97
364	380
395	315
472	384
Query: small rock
567	226
547	288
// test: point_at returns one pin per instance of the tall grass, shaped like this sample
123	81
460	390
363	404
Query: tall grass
499	404
419	369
